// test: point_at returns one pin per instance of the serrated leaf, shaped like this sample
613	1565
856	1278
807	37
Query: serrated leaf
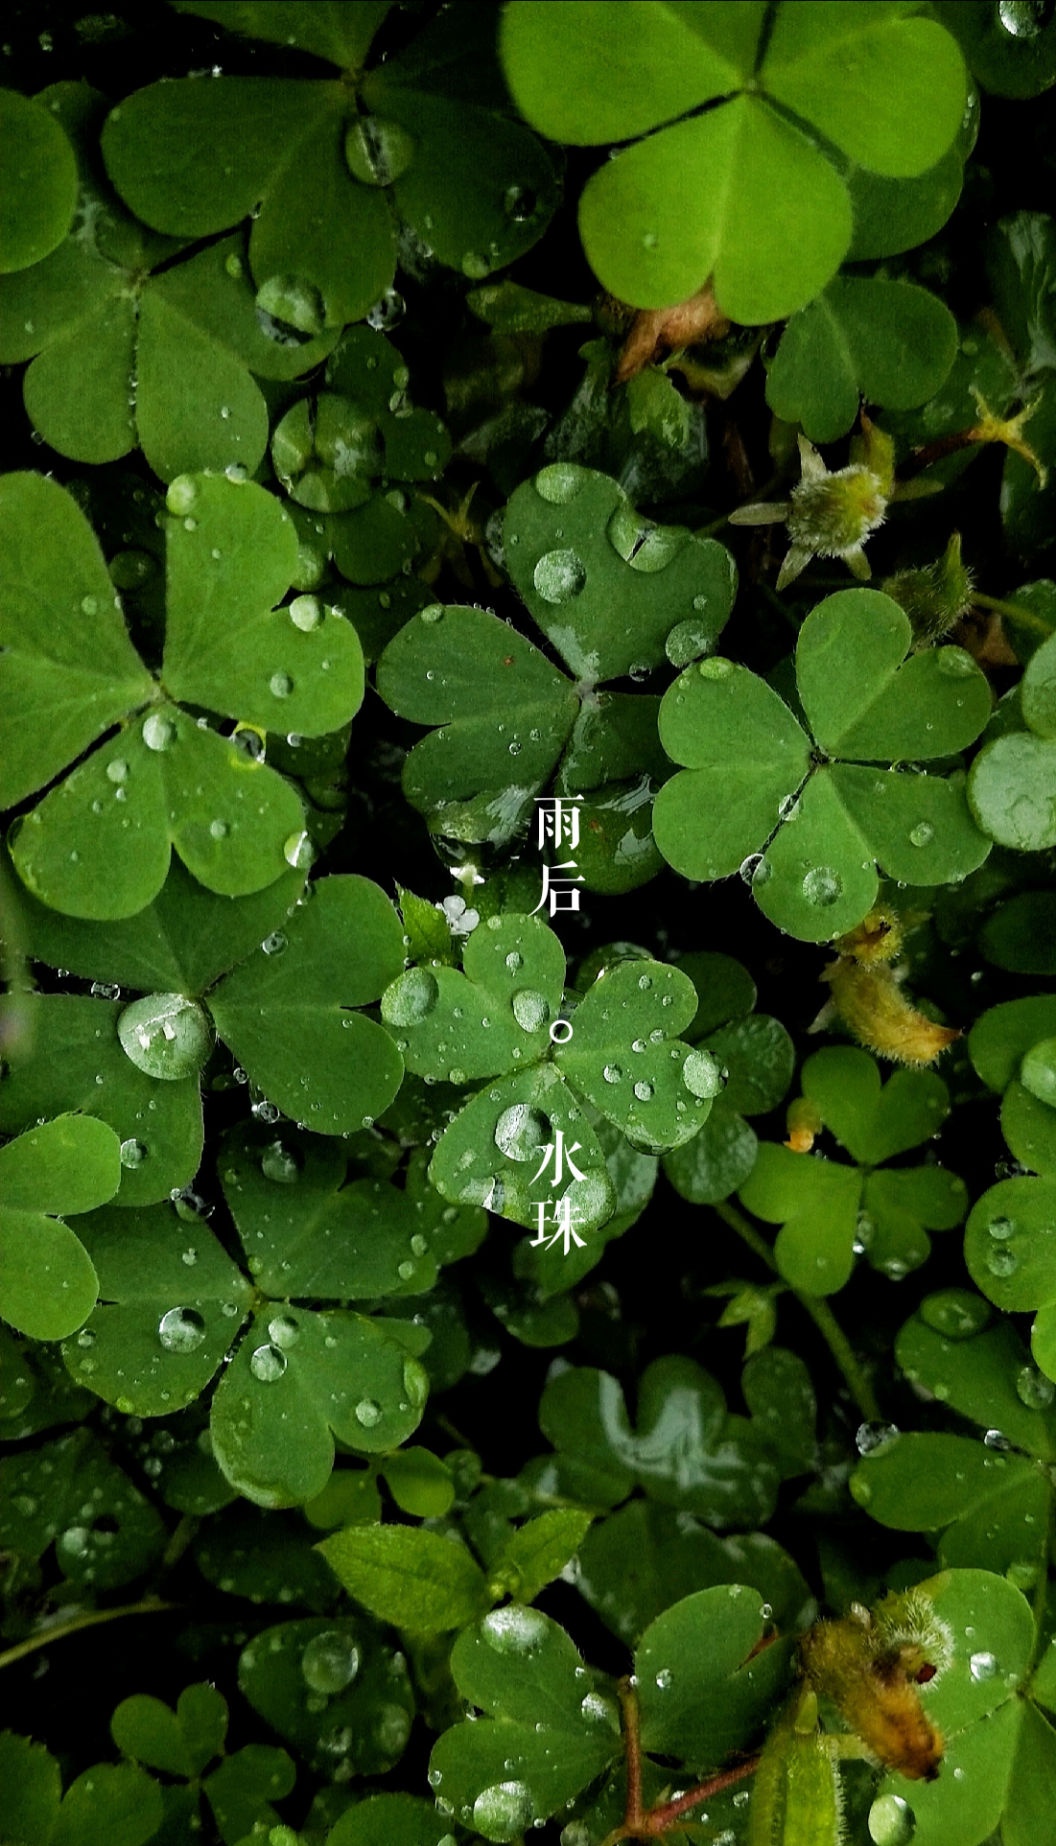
412	1578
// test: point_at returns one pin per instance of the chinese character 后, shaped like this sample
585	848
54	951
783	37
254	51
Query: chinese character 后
558	821
561	1156
565	1228
554	889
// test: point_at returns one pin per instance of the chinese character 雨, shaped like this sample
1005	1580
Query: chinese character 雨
558	820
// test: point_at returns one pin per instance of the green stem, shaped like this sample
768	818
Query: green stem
93	1619
821	1314
1026	618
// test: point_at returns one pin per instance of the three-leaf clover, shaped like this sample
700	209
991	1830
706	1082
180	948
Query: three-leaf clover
490	1024
829	1211
69	674
808	816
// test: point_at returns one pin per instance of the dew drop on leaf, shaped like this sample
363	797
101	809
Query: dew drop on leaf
514	1629
982	1666
922	834
280	685
181	1330
821	886
165	1035
703	1075
1034	1389
283	1330
268	1363
330	1662
133	1153
159	732
520	1132
559	576
892	1821
530	1009
411	998
298	851
874	1438
275	944
368	1413
306	613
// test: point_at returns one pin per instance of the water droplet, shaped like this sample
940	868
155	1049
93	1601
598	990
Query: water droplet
298	851
612	1073
117	771
182	494
874	1438
530	1009
475	266
181	1330
280	685
280	1164
233	266
268	1363
514	1629
387	311
748	868
922	834
716	667
643	1091
165	1035
955	1313
955	663
159	732
822	886
329	1662
663	1679
560	482
519	203
559	576
1037	1072
1034	1389
276	943
133	1153
1001	1228
504	1810
219	829
892	1821
411	998
703	1075
982	1666
306	613
368	1413
378	151
520	1132
284	1331
1002	1261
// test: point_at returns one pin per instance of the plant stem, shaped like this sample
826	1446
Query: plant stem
649	1823
1026	618
92	1619
821	1314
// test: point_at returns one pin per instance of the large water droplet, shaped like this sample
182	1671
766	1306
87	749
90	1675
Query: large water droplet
298	851
520	1132
874	1438
1001	1261
411	998
955	1313
982	1666
530	1009
514	1629
280	685
703	1075
821	886
306	613
892	1821
378	151
368	1413
159	732
559	576
560	482
283	1331
922	834
132	1153
280	1164
165	1035
717	667
181	1330
268	1363
1034	1389
504	1810
330	1662
1037	1072
182	494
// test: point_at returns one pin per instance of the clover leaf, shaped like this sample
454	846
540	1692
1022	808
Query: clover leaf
239	1789
829	1211
990	1500
1012	783
548	1729
109	318
808	817
173	1307
608	589
1008	1247
71	1164
334	1690
685	1448
107	1802
890	343
70	1494
328	167
162	779
1013	1048
771	217
492	1020
278	982
35	153
756	1052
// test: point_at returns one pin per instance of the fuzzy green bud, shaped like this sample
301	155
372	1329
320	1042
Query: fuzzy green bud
936	596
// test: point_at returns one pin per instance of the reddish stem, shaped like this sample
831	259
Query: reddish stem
649	1824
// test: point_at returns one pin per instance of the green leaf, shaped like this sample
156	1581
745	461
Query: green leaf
68	1492
68	1165
640	1560
41	189
109	1806
1012	791
888	342
1011	52
412	1578
68	669
686	1450
496	697
31	1777
285	1012
550	1732
330	31
1010	1250
300	1379
390	1820
71	1059
539	1551
171	1303
701	1694
888	89
607	588
334	1691
643	249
